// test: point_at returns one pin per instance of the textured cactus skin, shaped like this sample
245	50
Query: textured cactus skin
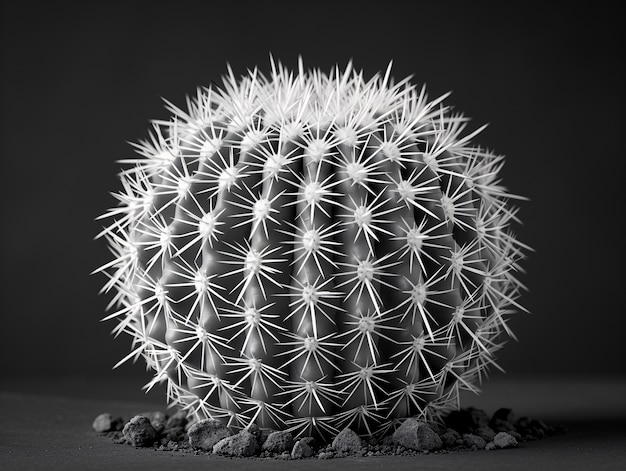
310	251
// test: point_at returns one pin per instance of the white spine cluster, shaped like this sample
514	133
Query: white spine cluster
312	251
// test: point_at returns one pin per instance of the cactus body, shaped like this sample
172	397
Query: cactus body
309	252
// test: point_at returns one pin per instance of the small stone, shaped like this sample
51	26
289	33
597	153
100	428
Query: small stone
486	433
490	446
347	441
106	423
473	441
301	449
449	438
204	434
416	435
504	440
278	442
241	444
139	432
325	455
309	441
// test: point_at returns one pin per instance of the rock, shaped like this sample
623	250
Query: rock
473	441
241	444
347	441
301	449
416	435
106	423
504	440
278	442
486	433
325	455
309	441
449	438
204	434
139	431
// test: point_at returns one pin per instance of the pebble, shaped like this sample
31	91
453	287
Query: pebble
301	449
106	423
347	441
474	441
416	435
504	440
242	444
278	442
449	438
139	431
486	433
204	434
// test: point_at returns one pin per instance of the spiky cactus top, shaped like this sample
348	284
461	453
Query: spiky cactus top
312	251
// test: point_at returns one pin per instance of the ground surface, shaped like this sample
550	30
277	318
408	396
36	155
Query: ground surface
49	427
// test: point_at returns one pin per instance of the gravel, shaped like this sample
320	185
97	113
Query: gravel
463	430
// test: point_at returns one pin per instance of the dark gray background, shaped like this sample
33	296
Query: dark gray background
79	81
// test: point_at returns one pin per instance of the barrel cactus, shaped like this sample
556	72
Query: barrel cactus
311	251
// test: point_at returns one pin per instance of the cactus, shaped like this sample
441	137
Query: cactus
310	251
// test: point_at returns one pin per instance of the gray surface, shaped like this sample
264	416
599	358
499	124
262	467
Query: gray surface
52	430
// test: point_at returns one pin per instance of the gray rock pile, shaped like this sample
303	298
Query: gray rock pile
465	429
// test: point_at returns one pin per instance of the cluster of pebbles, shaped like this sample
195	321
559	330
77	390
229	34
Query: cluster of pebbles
465	429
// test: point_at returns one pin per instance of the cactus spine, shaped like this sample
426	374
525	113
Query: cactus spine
309	251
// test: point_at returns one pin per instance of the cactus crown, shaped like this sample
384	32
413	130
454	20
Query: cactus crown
308	252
